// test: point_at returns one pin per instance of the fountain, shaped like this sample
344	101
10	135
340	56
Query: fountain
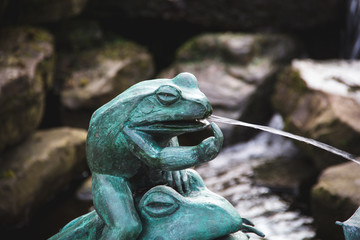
141	187
133	153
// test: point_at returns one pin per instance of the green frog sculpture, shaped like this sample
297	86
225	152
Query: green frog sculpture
141	186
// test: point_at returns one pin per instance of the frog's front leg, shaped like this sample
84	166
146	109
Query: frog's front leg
178	180
176	157
113	201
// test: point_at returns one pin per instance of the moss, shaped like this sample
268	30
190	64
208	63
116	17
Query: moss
121	48
6	174
84	81
40	35
289	89
199	47
258	61
298	83
323	196
45	71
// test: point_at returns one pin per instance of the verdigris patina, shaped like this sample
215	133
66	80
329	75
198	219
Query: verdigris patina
132	148
351	226
167	214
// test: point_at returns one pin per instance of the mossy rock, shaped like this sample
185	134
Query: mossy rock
238	48
335	198
42	11
242	68
285	174
93	77
26	70
320	100
78	35
37	169
227	15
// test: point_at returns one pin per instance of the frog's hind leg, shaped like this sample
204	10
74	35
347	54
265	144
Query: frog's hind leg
114	203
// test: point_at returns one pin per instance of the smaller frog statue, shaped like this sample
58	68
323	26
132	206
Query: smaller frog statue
179	217
132	147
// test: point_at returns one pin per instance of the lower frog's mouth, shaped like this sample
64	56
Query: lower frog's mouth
175	126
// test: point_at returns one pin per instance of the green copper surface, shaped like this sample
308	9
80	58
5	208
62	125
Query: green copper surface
133	153
351	226
166	214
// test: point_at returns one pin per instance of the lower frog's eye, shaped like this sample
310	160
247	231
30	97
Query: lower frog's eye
167	94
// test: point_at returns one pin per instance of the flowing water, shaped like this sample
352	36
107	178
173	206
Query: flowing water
234	175
351	38
313	142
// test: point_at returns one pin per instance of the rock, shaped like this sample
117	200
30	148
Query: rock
36	170
335	197
286	175
321	100
78	35
42	11
226	15
26	71
236	73
93	77
83	193
3	5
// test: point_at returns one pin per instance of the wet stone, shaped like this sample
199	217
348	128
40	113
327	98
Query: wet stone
93	77
228	15
242	69
335	197
26	72
36	170
321	100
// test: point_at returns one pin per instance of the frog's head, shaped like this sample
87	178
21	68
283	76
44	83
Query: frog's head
168	106
174	106
200	214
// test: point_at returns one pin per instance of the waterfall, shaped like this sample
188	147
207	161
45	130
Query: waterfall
351	37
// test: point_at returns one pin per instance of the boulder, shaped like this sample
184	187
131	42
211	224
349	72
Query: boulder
286	175
236	72
26	71
335	197
93	77
36	170
78	35
321	100
3	5
225	14
42	11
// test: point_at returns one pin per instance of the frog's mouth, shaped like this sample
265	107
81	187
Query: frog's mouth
175	126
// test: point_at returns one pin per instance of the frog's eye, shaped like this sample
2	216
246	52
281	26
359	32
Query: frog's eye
167	94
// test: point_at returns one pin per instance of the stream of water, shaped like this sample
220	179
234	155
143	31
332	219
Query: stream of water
326	147
351	48
234	174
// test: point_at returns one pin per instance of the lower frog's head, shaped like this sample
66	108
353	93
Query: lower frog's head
200	214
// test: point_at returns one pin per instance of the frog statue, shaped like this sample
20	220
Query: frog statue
139	171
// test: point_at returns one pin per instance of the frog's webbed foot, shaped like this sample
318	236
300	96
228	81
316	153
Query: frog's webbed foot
247	222
178	180
248	227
